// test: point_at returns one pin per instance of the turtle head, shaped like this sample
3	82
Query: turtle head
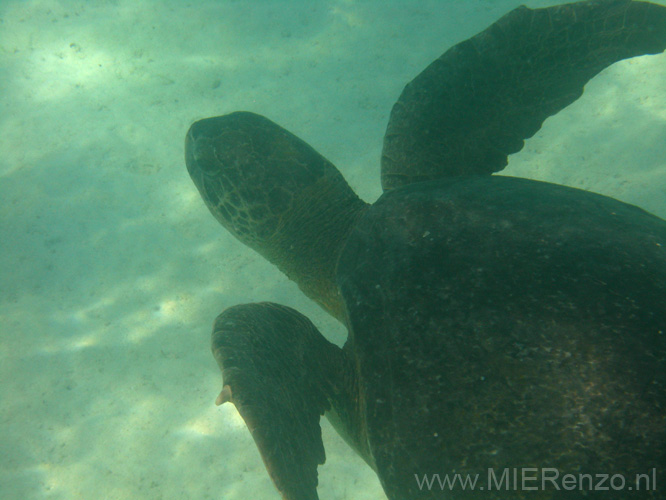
277	195
249	172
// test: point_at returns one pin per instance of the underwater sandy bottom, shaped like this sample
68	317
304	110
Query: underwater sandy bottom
111	268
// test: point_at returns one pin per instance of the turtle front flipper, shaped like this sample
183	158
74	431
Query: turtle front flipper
280	373
277	195
475	105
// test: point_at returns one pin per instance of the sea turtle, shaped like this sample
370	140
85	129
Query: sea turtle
505	328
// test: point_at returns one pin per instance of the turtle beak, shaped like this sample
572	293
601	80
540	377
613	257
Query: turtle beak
190	140
200	149
203	164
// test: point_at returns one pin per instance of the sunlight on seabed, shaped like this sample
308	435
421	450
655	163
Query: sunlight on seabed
649	67
201	427
348	17
57	69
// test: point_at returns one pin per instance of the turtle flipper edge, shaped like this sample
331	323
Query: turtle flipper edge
475	105
275	367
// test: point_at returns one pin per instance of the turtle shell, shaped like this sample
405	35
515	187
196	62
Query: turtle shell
502	323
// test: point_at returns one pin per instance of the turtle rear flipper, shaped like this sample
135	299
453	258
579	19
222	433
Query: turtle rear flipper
475	105
278	371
